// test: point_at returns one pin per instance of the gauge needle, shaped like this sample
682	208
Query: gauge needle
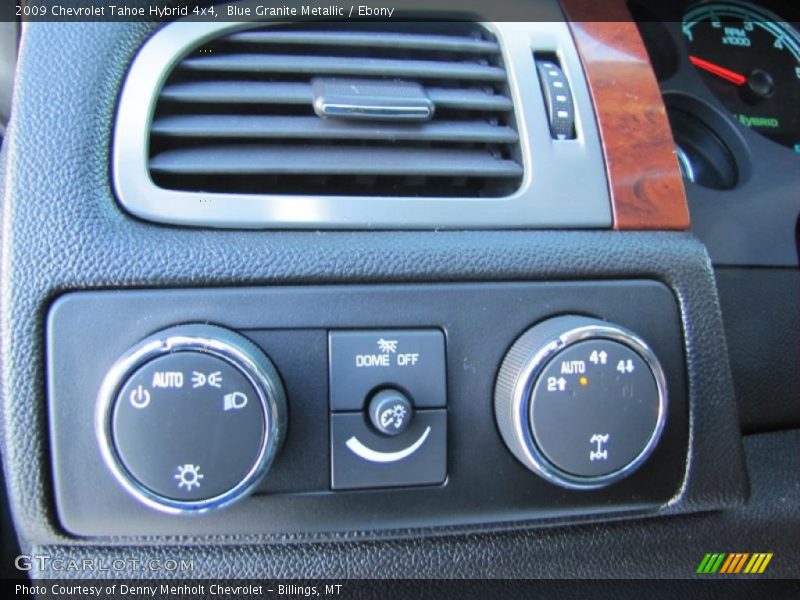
719	71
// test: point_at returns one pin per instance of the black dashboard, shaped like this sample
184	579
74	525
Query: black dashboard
362	299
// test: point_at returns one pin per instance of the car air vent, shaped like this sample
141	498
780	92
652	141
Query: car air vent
327	109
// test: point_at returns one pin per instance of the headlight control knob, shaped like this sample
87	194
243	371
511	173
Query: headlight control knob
191	418
580	402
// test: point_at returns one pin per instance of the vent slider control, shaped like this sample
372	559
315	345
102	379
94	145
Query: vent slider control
371	100
558	99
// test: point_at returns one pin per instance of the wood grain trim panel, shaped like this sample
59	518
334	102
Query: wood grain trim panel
644	178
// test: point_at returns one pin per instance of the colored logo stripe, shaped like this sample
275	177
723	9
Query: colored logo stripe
758	564
711	563
734	562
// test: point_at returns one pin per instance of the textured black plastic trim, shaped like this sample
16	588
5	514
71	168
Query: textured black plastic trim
762	325
651	548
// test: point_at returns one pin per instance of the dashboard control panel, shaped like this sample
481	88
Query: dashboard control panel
388	395
412	360
311	410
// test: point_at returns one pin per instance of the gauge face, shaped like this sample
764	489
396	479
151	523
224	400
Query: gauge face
750	59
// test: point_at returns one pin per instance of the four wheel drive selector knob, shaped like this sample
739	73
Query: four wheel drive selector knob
191	418
580	402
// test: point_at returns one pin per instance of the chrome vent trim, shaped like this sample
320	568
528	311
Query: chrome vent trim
276	139
365	125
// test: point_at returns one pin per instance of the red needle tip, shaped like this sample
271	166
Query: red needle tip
719	71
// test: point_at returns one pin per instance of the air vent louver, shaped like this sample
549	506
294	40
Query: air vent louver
237	115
